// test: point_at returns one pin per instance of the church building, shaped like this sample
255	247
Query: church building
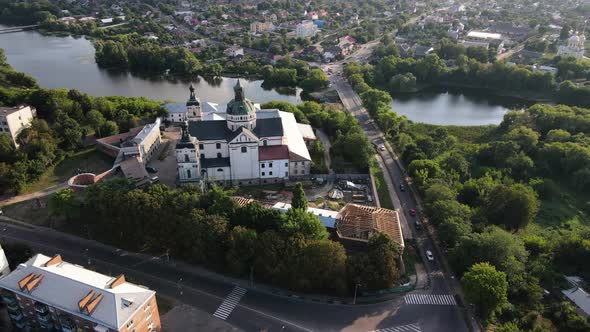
240	143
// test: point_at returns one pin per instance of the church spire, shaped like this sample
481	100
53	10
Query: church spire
239	91
191	88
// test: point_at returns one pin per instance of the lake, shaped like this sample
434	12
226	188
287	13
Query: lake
453	107
68	62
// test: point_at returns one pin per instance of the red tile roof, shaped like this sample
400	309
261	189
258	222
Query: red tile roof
273	152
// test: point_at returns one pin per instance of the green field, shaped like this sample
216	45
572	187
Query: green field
89	160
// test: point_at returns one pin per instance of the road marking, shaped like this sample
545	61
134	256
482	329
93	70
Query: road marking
230	302
433	299
402	328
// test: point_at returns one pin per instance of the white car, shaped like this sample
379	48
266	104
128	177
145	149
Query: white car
382	147
429	255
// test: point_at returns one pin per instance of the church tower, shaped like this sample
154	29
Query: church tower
187	158
193	106
240	111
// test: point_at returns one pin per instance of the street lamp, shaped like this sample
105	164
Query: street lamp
179	286
356	286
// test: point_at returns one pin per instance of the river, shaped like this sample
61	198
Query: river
68	62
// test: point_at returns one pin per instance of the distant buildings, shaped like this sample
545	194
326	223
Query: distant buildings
46	293
234	51
260	27
579	296
144	144
14	119
306	29
574	46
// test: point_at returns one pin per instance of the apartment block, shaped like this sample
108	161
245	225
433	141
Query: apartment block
46	293
14	119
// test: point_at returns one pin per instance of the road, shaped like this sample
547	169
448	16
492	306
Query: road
256	310
442	280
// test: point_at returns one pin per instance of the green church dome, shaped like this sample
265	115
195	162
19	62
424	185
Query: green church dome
240	105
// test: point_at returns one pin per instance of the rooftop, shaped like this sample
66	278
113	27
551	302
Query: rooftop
9	110
484	35
297	148
96	297
361	222
273	152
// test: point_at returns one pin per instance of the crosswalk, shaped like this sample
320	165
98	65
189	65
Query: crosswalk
402	328
430	299
230	302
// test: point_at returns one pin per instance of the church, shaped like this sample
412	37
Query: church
574	46
240	143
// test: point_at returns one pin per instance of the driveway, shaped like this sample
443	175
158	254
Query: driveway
166	167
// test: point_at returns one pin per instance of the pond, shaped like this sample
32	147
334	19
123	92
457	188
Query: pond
467	107
68	62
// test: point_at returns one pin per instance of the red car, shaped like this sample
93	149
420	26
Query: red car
413	212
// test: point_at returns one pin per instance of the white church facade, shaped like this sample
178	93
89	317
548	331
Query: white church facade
240	144
574	46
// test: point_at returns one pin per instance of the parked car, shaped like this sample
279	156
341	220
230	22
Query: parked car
418	225
381	147
413	212
429	255
402	187
151	169
155	179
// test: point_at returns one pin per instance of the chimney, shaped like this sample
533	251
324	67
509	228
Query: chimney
53	261
118	281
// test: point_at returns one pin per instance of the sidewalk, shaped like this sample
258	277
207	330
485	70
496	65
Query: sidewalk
37	194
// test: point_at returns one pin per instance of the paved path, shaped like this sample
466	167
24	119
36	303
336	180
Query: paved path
37	194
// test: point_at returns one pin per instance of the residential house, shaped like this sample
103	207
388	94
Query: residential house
260	27
579	296
13	120
47	293
234	51
510	30
306	29
359	222
421	51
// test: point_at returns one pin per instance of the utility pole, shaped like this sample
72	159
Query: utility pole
355	289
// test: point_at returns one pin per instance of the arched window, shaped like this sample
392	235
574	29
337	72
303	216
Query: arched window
265	142
218	146
188	173
186	159
220	169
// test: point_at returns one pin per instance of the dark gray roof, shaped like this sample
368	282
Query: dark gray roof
217	130
185	145
215	162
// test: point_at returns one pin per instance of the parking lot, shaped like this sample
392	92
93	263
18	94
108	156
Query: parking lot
164	159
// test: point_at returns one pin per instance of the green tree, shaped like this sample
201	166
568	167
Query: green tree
485	287
241	250
96	120
305	223
299	200
64	203
512	206
109	128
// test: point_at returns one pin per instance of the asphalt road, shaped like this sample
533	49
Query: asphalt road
255	312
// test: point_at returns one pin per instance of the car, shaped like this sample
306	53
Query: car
155	179
418	225
151	169
381	147
413	212
402	187
429	255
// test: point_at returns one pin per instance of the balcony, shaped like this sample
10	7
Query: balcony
41	308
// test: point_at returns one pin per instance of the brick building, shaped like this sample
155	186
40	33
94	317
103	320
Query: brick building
49	294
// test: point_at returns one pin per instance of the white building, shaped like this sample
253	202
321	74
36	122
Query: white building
144	144
14	119
241	144
306	29
486	36
573	47
234	51
4	267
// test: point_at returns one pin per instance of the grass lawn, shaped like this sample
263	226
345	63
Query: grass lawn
565	206
32	211
89	160
165	304
382	191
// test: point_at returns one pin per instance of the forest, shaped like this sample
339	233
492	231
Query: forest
510	203
291	250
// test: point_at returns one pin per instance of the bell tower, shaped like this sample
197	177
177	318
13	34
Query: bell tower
193	106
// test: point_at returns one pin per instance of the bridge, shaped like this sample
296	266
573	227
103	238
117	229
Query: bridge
17	29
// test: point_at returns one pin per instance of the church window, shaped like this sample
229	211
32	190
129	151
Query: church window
218	155
186	159
201	146
265	142
188	173
244	149
269	173
286	174
270	165
263	165
295	171
263	174
303	172
286	164
220	169
202	156
218	146
295	163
